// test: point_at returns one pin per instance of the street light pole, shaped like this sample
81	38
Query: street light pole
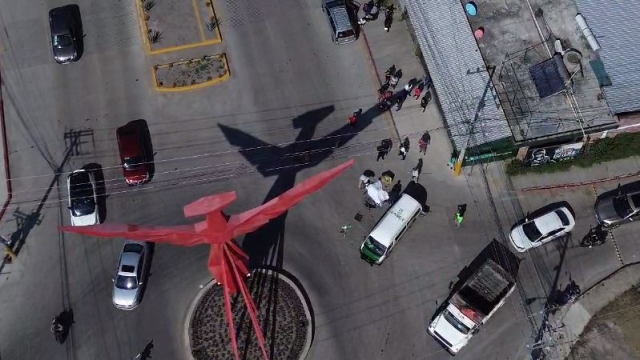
458	166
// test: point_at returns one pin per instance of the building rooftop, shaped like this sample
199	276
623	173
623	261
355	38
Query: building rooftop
534	97
458	72
613	26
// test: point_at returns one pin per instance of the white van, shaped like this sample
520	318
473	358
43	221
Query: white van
389	229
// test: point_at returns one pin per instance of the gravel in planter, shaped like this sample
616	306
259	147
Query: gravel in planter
191	72
280	313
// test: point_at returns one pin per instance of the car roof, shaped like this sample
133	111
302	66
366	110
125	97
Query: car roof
391	223
340	17
549	222
128	259
129	140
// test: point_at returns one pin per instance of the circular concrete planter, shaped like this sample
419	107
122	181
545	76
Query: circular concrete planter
308	339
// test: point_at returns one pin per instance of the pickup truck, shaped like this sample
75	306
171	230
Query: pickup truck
473	302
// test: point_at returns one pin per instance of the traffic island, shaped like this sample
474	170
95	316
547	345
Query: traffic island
191	74
173	25
283	313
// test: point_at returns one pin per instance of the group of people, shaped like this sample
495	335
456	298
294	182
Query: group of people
413	88
371	11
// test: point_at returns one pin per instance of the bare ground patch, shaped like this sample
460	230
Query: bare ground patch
613	332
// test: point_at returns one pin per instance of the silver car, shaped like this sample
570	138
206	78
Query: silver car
131	275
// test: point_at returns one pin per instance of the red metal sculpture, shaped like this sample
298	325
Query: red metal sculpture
227	261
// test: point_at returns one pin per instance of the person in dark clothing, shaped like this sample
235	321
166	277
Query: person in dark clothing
424	142
404	148
425	100
389	73
395	192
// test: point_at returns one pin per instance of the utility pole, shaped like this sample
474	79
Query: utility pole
458	166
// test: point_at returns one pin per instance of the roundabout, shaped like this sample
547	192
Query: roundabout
282	310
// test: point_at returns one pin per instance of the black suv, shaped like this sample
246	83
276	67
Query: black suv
64	26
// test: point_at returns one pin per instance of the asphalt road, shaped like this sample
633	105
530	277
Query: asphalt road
289	84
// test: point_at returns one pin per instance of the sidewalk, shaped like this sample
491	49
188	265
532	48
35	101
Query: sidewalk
577	316
396	48
577	176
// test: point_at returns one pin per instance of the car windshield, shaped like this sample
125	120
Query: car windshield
63	40
451	319
134	162
375	247
126	282
345	34
563	217
621	206
531	231
81	193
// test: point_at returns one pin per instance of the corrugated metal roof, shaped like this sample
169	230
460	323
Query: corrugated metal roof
614	25
453	58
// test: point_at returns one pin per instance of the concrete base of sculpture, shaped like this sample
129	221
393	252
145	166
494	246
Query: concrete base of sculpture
289	323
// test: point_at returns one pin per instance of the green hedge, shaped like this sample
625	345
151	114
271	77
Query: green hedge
603	150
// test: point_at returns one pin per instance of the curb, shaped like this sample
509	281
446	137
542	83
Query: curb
282	276
6	155
377	81
581	183
201	85
568	345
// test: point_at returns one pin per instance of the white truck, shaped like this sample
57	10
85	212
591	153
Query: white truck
473	303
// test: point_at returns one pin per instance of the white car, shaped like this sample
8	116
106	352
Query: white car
83	200
541	230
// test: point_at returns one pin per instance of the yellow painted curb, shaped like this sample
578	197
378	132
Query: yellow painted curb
145	32
201	85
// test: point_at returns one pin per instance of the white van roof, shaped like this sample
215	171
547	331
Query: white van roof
394	219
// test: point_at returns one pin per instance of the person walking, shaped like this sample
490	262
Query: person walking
425	100
399	101
409	87
424	142
460	214
404	148
353	119
418	91
388	17
393	81
389	73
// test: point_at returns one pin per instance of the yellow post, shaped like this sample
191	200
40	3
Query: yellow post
458	168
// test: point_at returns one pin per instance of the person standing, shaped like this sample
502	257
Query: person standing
399	101
353	119
424	142
381	153
417	92
409	87
393	81
460	214
389	73
404	148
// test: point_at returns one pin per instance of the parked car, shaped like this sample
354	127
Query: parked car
617	207
134	157
83	199
131	275
342	30
64	39
542	229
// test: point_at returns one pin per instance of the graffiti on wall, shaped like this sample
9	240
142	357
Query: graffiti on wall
552	154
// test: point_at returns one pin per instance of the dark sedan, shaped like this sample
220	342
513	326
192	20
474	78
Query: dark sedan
64	37
617	207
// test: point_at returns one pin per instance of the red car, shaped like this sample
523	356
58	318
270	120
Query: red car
134	157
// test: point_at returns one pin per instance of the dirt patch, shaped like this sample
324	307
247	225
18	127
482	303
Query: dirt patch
613	332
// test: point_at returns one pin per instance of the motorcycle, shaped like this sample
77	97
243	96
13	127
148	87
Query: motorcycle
595	237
